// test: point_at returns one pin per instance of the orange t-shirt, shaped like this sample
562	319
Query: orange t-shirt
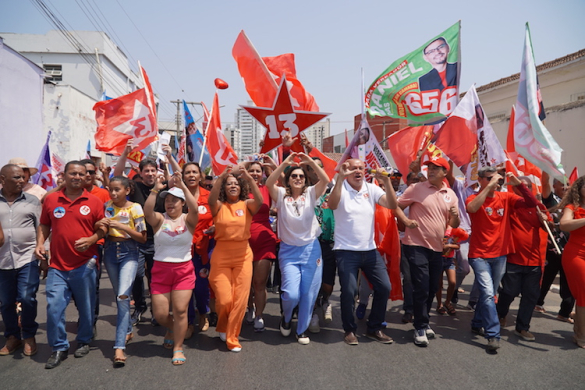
232	222
205	219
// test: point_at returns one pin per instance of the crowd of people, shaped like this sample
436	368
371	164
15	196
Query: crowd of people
207	247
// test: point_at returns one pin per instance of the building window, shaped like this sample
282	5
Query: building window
53	72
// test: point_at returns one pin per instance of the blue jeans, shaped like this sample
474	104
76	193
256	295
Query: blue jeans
121	261
520	279
145	263
302	272
20	285
60	286
488	275
425	267
348	265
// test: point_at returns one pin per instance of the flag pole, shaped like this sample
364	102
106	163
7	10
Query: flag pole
206	134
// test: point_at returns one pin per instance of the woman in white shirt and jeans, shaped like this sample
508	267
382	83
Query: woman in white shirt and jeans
300	259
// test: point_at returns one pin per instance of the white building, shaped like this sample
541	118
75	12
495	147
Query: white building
77	74
233	135
317	132
251	132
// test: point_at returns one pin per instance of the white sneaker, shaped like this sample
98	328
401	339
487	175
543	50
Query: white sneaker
222	336
303	339
430	333
236	349
314	325
259	325
327	312
420	337
250	315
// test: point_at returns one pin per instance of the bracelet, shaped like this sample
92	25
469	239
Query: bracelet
154	191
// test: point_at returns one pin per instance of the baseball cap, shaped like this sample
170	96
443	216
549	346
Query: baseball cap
438	161
175	191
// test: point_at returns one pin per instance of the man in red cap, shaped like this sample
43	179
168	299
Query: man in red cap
433	205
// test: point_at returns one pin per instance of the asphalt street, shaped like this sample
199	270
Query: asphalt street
455	359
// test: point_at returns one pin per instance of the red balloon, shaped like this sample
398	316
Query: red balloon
220	84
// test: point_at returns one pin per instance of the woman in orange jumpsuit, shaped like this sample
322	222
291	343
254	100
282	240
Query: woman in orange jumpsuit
230	276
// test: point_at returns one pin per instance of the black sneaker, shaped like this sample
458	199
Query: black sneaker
477	331
136	316
81	351
284	327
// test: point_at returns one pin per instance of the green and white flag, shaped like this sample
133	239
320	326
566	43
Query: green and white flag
422	86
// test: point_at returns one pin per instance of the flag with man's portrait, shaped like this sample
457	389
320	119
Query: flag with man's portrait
422	86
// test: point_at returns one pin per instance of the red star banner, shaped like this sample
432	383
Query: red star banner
283	118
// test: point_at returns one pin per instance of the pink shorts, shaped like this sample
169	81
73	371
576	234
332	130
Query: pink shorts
167	277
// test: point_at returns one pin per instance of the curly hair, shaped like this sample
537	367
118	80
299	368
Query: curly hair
573	194
289	171
244	188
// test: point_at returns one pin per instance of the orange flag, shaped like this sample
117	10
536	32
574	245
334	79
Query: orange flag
328	164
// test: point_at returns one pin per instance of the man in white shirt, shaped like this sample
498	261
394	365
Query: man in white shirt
353	202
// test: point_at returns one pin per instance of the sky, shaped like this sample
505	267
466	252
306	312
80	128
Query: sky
185	44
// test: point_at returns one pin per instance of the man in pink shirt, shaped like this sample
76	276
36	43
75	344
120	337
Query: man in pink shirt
433	206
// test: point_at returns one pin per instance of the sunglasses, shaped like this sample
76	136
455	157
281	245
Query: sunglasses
297	176
91	172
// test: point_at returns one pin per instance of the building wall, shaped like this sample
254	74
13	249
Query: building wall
562	87
318	132
251	132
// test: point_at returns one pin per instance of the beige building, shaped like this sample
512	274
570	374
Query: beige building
562	86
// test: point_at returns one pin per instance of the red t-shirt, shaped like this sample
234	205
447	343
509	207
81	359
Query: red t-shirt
490	225
70	221
526	231
205	219
578	235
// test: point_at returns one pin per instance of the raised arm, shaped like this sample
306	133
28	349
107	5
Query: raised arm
193	207
321	186
479	200
275	175
387	200
252	204
214	202
335	195
154	218
121	164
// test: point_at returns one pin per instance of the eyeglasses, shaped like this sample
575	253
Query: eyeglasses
208	186
440	47
297	176
90	172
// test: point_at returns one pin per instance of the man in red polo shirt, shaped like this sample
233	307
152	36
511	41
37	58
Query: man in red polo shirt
524	265
70	215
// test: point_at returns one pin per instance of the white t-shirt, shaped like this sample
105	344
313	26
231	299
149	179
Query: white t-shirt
354	217
297	222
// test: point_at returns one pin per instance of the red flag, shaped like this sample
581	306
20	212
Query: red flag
124	118
573	176
285	64
263	75
220	150
346	139
405	144
522	166
149	95
389	247
328	164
